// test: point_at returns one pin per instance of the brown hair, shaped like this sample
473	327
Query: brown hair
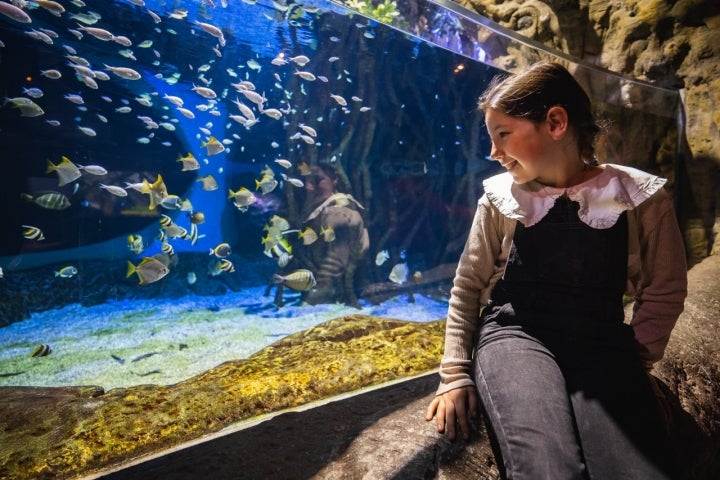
530	94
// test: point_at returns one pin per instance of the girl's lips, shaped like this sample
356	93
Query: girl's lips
508	166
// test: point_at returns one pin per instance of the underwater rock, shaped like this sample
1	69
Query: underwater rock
63	432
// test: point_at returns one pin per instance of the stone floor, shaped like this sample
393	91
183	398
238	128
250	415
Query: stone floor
377	434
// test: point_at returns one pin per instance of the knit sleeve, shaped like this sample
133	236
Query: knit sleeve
661	294
477	266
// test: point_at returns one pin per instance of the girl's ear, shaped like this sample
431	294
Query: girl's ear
557	122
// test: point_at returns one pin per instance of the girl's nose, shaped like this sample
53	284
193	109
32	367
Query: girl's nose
495	154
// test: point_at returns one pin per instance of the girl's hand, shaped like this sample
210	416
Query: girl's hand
455	407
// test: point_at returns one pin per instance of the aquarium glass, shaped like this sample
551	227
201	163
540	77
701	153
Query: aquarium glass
162	160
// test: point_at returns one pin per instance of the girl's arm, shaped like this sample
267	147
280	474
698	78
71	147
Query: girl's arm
663	283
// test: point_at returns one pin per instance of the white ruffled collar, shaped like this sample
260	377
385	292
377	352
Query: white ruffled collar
602	198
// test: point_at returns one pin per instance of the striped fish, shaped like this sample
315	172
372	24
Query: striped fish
41	351
49	200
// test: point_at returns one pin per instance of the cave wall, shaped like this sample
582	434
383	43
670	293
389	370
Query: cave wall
668	43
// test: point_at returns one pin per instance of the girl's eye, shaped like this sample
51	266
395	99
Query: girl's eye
502	134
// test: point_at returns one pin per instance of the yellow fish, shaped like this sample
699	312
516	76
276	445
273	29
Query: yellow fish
157	191
213	146
66	170
243	198
149	270
308	236
189	162
266	184
208	183
328	233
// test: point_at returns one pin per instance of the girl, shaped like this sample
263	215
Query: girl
555	242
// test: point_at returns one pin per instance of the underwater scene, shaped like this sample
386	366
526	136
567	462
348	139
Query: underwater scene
189	182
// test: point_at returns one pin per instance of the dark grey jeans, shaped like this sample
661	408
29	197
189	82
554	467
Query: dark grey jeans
569	402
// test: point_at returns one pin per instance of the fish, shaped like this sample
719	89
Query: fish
242	198
99	33
27	107
121	361
208	183
171	202
167	249
191	278
273	113
301	280
93	169
399	273
15	13
33	92
196	218
328	233
156	191
223	250
51	74
308	236
310	77
295	182
177	101
52	7
283	163
87	131
189	162
66	272
185	112
382	257
339	99
308	129
115	190
66	170
204	92
123	40
49	200
254	97
213	146
170	228
266	184
365	109
149	270
135	243
32	233
124	72
212	30
300	60
41	351
219	266
304	169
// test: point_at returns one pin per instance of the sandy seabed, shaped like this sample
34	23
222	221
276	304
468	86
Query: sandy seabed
165	341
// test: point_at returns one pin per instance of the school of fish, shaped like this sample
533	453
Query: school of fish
79	28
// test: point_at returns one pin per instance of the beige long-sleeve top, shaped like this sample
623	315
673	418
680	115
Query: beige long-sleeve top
657	271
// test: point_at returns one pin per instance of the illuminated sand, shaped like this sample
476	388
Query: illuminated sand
165	341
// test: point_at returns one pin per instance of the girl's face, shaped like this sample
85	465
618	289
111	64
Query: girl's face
523	147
